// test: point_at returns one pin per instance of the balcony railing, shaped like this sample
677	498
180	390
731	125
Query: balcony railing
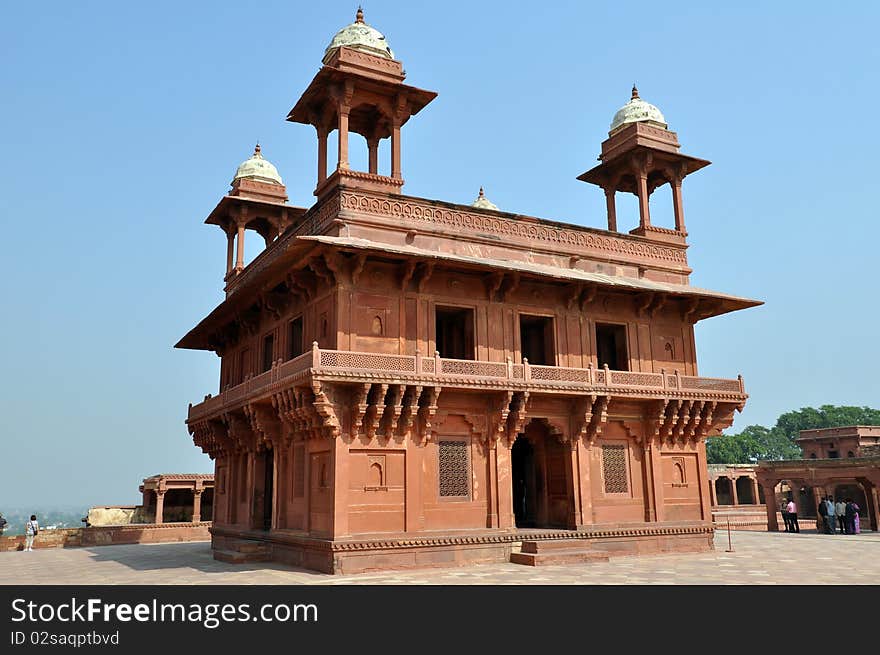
346	363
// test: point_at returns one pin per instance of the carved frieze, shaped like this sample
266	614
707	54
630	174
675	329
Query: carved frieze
460	219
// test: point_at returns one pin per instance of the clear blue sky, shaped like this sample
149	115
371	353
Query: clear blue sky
121	125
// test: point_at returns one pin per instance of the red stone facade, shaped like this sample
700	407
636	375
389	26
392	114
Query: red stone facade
411	382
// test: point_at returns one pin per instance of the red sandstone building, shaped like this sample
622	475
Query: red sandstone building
841	462
410	382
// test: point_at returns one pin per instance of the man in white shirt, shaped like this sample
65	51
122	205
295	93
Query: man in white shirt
31	528
840	513
792	516
830	519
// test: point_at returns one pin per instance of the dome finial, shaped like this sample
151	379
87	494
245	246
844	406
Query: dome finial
257	149
359	16
483	202
635	92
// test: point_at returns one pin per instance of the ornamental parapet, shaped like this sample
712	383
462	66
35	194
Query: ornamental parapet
364	369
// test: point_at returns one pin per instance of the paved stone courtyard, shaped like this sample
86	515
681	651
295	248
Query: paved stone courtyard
758	558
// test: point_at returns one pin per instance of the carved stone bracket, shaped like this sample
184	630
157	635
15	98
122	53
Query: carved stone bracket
375	410
516	418
265	425
410	409
392	411
498	412
592	414
423	274
359	405
326	409
239	431
427	411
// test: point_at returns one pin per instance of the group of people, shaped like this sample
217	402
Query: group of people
839	516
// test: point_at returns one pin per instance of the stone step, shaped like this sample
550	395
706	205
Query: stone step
542	546
237	557
574	556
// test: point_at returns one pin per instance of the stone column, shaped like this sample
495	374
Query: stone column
197	505
644	211
506	518
322	154
583	461
491	482
818	495
230	249
160	505
770	505
702	474
373	146
653	461
340	464
395	151
713	492
343	137
239	260
572	474
677	206
414	512
612	209
755	491
733	493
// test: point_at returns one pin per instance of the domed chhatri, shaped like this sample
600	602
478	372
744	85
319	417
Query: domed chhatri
257	168
360	36
637	111
483	202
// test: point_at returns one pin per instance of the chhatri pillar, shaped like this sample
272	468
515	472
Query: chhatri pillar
160	505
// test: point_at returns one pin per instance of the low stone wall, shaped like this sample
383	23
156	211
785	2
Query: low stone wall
750	519
109	535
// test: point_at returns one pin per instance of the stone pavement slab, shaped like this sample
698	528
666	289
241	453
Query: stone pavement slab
758	558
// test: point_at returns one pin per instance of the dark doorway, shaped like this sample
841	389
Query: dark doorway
536	340
264	474
611	346
268	488
522	457
455	332
542	490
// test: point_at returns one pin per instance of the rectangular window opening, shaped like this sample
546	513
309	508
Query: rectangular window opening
536	340
455	332
268	351
611	346
244	364
295	338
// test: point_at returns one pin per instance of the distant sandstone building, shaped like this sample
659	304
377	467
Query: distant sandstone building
167	498
410	382
842	462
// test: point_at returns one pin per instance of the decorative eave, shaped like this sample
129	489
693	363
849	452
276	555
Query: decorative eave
614	173
230	207
721	303
317	105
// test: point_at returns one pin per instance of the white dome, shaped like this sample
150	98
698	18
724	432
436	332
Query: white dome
483	202
637	111
360	36
257	168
